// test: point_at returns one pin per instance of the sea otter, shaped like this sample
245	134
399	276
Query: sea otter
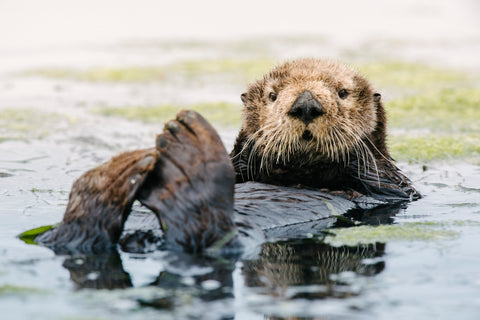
311	145
320	124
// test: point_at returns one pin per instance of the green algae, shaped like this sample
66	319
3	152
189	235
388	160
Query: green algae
243	69
465	223
401	75
412	231
393	74
8	289
128	74
430	147
37	190
246	69
149	114
29	236
24	123
223	113
445	110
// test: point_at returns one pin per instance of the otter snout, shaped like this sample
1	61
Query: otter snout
306	108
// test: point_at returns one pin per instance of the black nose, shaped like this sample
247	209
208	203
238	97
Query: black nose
306	108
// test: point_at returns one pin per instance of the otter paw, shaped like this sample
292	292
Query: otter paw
191	188
99	203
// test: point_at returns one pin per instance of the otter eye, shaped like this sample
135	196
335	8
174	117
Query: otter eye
272	96
343	94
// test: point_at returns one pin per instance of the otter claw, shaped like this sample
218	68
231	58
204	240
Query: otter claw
187	117
173	127
162	142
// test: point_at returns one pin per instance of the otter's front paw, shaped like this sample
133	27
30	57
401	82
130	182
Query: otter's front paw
99	203
191	188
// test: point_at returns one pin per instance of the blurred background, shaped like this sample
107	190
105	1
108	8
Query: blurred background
49	23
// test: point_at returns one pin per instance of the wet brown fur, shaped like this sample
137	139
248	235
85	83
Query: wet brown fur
100	202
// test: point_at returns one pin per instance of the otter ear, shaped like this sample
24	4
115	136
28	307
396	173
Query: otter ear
377	96
243	96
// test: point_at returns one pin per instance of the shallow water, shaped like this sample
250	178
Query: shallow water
421	263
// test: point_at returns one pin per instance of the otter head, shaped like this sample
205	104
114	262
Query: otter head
311	110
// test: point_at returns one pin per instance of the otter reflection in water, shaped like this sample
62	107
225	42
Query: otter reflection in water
311	146
280	265
286	264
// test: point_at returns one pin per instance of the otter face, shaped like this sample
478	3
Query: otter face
316	109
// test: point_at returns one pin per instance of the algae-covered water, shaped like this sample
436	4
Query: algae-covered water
66	110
